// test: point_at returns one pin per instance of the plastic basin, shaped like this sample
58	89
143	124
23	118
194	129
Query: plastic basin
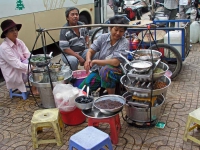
80	75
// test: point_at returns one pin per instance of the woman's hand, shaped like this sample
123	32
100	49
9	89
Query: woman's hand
87	65
92	63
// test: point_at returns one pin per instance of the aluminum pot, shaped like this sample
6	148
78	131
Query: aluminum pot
140	112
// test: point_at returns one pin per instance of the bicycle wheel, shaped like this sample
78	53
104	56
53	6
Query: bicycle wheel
170	56
98	32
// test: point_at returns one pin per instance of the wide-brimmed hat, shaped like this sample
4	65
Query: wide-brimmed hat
7	24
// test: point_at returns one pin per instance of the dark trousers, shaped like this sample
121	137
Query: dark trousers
172	15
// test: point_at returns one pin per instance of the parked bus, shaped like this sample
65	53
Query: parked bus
33	14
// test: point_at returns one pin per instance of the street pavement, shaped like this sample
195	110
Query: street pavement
182	97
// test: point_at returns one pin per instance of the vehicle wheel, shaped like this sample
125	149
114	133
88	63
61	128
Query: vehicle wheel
170	56
83	19
98	32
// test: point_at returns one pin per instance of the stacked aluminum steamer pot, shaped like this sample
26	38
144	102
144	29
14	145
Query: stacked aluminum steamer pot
146	86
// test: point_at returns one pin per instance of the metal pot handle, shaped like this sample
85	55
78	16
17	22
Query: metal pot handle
127	61
138	105
123	69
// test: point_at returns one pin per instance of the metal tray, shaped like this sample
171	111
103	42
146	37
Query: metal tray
95	113
144	92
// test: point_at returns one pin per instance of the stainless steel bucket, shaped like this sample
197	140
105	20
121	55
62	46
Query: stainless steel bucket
140	112
46	95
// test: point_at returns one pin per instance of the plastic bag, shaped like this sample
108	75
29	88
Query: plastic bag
65	95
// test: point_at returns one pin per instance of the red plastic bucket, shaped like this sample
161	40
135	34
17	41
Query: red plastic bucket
74	117
80	75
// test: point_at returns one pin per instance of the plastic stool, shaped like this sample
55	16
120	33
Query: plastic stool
115	126
24	95
47	118
90	138
193	117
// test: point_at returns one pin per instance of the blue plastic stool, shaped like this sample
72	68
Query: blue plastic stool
90	138
24	95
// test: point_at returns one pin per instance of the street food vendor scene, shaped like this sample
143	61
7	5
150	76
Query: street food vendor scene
99	74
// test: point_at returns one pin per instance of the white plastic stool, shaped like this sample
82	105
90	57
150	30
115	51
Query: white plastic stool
90	138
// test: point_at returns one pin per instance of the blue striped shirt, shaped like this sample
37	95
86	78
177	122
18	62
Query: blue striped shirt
69	39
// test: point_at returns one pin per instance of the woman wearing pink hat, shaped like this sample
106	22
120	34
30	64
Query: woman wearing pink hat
14	57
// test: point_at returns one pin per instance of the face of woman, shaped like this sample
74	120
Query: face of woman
12	34
117	32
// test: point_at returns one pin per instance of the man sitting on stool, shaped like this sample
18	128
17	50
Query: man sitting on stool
74	41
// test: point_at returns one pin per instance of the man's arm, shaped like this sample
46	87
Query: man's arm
69	51
87	41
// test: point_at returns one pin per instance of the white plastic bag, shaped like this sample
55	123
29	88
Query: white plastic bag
65	95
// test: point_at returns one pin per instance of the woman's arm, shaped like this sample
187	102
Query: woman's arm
95	47
12	60
113	62
89	56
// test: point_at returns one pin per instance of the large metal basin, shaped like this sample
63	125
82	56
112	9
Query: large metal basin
144	92
142	114
39	55
142	52
112	98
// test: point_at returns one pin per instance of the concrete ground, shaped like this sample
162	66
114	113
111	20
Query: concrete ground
182	98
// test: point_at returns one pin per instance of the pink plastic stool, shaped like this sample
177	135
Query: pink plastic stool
115	126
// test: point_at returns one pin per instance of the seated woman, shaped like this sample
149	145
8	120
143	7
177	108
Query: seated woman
14	57
106	70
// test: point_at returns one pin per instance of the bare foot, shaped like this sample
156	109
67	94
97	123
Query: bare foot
34	90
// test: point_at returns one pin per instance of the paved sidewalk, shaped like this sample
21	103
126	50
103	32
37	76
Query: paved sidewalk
182	98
